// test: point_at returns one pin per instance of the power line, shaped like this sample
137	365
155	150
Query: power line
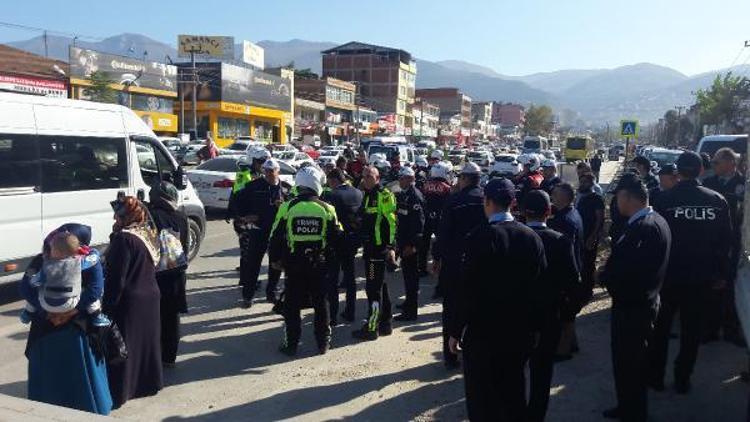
49	31
739	53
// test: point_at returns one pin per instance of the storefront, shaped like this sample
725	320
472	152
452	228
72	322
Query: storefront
148	88
25	73
245	102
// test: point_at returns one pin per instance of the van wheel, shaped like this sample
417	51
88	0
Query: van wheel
194	238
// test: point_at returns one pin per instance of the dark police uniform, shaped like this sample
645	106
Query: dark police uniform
494	316
378	233
651	181
303	238
257	198
347	201
700	224
722	312
436	193
633	275
549	184
410	223
588	204
463	212
559	287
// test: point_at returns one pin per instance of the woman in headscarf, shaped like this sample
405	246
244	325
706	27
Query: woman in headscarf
163	207
131	299
63	369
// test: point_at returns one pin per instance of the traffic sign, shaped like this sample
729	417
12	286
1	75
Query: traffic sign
629	128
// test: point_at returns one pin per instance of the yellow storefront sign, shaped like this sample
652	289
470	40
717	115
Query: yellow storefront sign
158	122
235	108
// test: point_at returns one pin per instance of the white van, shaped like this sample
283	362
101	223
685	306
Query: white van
712	143
534	144
64	161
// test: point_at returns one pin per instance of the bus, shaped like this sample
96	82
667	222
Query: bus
534	144
578	148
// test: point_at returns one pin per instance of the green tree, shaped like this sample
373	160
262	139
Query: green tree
538	120
720	104
100	89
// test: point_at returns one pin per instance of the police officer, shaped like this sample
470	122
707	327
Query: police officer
560	286
256	205
347	200
409	225
590	206
378	233
700	224
667	180
530	179
303	238
643	165
463	212
493	320
633	276
421	171
436	192
551	179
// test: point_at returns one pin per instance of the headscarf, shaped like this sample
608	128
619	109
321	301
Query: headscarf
133	218
164	195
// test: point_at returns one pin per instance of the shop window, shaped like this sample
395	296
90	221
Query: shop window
71	163
152	103
230	128
264	131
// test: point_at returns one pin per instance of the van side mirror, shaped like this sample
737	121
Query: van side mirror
180	178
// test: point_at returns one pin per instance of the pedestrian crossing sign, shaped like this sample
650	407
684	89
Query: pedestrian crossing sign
629	128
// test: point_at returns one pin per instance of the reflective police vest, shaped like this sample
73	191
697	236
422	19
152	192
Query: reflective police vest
306	221
241	178
384	208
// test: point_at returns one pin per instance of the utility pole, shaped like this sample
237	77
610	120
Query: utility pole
421	118
46	52
358	121
195	94
677	132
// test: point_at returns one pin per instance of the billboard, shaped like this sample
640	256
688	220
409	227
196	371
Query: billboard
217	47
247	86
253	54
123	70
33	85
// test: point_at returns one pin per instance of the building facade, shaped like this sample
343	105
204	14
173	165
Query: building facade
27	73
508	115
426	119
451	102
148	88
236	101
385	77
481	117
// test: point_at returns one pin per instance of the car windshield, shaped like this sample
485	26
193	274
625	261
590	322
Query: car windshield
284	155
576	143
505	158
531	144
663	158
222	164
380	149
238	146
739	145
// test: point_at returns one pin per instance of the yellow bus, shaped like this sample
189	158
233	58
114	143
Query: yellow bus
578	148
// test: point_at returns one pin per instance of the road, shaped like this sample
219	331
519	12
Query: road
229	368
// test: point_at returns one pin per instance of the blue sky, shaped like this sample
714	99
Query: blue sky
513	38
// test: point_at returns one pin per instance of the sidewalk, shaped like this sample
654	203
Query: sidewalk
15	409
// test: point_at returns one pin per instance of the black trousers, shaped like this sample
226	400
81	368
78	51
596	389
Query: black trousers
721	314
253	245
306	282
588	269
541	366
170	330
690	301
446	279
378	298
632	328
424	248
343	262
494	378
410	269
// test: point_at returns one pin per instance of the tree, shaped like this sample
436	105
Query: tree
721	103
305	74
538	120
100	89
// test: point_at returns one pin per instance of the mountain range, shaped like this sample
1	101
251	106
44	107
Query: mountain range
644	91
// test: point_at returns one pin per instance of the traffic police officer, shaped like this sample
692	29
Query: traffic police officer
551	179
378	233
347	200
255	208
700	224
560	287
633	276
730	184
436	192
409	226
463	212
493	319
304	236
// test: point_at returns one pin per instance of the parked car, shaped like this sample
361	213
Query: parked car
712	143
328	156
293	158
663	156
188	155
506	165
213	179
480	158
241	146
65	160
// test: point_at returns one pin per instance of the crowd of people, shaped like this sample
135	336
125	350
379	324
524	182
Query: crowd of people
675	246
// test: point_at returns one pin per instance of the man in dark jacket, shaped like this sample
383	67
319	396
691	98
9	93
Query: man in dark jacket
488	307
633	276
590	206
256	206
699	259
462	213
409	223
436	191
731	185
643	166
347	201
560	284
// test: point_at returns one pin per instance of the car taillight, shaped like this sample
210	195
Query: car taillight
226	183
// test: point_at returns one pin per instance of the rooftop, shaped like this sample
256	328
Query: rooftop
356	47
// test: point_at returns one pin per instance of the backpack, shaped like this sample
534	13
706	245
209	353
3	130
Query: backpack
171	253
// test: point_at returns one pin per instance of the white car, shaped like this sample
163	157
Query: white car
241	147
480	157
506	165
328	156
283	148
293	158
213	180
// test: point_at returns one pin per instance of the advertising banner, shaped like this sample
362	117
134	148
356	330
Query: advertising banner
35	86
123	70
253	54
247	86
216	47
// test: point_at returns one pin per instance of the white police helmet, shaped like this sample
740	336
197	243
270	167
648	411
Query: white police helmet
436	154
421	162
440	170
244	161
271	164
311	178
530	160
406	172
471	168
259	153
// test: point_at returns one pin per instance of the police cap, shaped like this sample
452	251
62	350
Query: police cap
689	163
537	202
500	189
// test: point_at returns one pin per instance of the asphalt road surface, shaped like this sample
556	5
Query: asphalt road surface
229	367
